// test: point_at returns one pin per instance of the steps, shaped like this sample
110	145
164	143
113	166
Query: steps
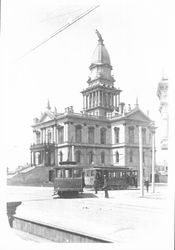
38	176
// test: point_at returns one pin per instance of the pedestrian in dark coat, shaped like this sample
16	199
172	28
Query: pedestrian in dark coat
105	187
95	185
147	184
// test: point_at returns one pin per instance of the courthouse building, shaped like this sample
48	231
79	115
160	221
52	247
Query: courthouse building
104	133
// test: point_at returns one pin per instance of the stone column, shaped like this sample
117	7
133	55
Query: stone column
66	132
41	136
31	161
116	101
34	137
55	134
94	99
52	135
86	102
98	97
83	101
34	158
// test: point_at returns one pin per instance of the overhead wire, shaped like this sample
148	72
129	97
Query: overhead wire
62	29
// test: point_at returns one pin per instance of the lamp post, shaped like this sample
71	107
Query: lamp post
153	161
141	162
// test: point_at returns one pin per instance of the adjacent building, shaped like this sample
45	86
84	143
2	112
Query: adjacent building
162	93
104	133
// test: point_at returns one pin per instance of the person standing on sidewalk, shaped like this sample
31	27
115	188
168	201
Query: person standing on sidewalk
96	183
147	184
105	187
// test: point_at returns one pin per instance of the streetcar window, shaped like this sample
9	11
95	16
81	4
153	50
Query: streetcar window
117	174
93	173
121	174
68	173
59	173
87	173
112	174
77	173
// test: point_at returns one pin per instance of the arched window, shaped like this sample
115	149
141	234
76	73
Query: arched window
78	156
103	157
91	157
131	135
103	136
131	156
91	135
61	156
78	134
117	157
116	131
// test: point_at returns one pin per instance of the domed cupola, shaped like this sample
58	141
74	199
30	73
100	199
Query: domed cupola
100	97
100	55
100	68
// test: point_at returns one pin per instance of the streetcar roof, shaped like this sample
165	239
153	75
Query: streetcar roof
68	166
110	168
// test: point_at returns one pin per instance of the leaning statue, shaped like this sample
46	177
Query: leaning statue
99	36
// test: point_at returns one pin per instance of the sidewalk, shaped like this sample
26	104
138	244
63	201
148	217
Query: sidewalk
123	218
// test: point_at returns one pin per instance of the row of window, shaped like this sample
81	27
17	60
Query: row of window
131	133
91	135
49	135
68	173
78	156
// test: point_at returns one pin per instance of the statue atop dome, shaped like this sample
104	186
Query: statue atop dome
100	39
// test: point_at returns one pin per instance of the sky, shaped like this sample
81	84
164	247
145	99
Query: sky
135	34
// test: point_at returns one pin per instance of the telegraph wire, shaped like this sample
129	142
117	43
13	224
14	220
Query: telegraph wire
62	29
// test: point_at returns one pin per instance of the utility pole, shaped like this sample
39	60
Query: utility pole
141	162
153	161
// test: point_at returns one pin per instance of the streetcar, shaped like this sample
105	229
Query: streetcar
68	180
117	178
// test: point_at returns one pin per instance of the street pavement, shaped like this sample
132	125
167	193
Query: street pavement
124	218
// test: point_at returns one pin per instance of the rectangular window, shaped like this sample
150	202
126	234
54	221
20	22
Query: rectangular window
78	134
59	173
77	173
91	135
131	135
61	135
103	136
68	173
143	135
117	131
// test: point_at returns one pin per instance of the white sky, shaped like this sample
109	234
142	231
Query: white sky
135	34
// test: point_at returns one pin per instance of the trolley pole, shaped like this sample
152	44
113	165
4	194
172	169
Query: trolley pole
153	161
141	162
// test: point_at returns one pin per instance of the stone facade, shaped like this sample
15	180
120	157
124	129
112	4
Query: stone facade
103	134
